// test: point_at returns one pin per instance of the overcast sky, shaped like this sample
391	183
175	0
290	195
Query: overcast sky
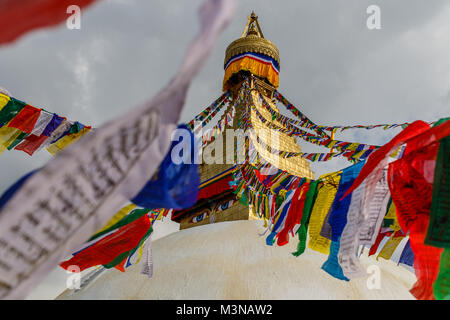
336	70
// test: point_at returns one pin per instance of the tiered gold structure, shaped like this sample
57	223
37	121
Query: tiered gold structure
252	40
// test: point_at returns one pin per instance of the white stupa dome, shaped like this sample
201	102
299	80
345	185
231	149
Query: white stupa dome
229	260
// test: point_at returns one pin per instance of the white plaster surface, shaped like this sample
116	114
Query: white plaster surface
228	260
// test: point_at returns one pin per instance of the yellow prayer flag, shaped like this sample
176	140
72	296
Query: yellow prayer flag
389	247
161	213
332	143
7	136
359	154
140	252
66	141
4	99
396	152
353	146
324	200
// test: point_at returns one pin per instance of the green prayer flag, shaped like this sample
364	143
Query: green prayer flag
18	140
142	241
12	108
243	199
441	121
116	260
128	253
311	196
132	216
438	234
441	287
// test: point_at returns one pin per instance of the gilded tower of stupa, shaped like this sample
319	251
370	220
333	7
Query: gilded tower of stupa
254	61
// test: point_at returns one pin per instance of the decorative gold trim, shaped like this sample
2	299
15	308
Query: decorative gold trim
264	87
252	43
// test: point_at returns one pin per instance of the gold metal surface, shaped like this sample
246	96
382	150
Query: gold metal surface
252	40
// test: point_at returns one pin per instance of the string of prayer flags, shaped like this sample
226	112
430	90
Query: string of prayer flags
209	112
351	150
364	208
212	133
309	124
339	222
418	131
306	122
27	128
75	132
411	189
314	156
368	127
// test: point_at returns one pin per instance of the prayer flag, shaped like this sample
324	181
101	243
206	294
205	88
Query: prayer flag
25	119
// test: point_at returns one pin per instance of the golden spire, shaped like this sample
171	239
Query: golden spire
252	40
255	29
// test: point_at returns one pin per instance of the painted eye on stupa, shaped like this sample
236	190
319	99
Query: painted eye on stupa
200	217
225	205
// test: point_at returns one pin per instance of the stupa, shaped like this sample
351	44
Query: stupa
255	58
229	260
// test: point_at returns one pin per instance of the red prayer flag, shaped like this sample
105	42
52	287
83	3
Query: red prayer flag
413	130
294	215
25	119
380	237
109	247
261	177
121	265
19	17
31	143
411	185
